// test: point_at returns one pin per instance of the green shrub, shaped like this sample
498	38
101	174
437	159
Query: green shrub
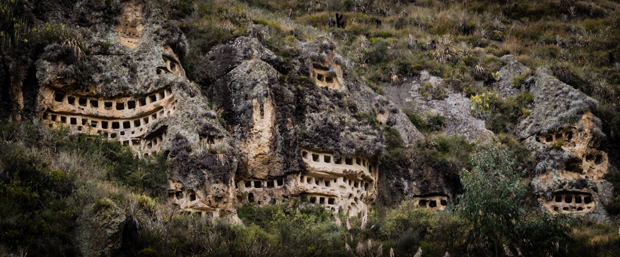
518	80
378	51
491	207
34	216
436	92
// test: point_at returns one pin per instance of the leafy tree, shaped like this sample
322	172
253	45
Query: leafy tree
491	205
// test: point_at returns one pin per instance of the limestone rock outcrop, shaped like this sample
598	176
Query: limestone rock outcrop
136	93
566	140
428	95
301	128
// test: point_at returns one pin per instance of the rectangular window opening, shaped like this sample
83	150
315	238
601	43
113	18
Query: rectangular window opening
84	122
116	125
322	200
107	105
280	182
94	103
327	159
331	201
270	184
120	106
59	97
82	101
153	98
315	157
349	161
73	121
257	184
131	105
104	125
162	95
248	184
126	124
142	101
136	123
71	100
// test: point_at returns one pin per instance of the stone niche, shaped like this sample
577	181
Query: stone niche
324	77
590	162
131	26
570	203
346	185
432	202
190	201
124	119
173	65
327	72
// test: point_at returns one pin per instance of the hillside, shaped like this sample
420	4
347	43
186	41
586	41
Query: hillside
320	128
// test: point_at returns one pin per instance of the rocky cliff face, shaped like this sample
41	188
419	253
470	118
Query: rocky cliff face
566	140
304	129
132	89
260	129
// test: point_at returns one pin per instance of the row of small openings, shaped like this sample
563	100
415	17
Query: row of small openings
326	79
180	195
268	183
569	199
328	159
109	105
432	203
93	124
567	136
321	200
327	183
149	145
105	124
251	199
571	208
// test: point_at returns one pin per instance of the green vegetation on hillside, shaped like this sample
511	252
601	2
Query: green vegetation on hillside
48	177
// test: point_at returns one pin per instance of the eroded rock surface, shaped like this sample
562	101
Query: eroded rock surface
416	96
564	136
281	120
137	94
